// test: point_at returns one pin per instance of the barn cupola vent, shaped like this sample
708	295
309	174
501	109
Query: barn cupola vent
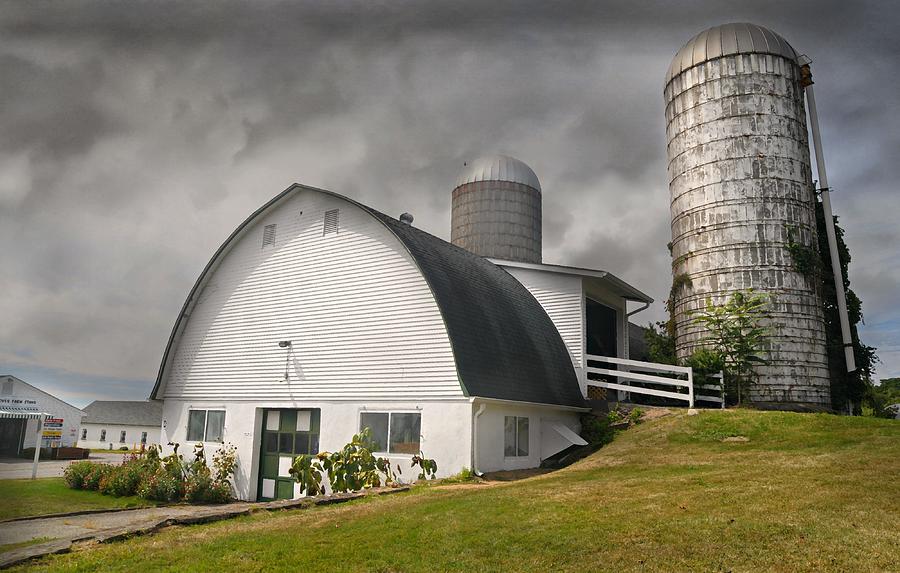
406	218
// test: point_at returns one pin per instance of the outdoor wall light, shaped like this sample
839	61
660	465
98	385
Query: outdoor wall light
285	344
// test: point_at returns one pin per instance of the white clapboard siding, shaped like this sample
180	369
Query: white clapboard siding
362	319
562	299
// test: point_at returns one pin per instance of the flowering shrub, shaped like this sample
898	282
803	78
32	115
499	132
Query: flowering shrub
168	478
76	473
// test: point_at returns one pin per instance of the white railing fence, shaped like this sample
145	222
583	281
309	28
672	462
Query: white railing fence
635	376
719	388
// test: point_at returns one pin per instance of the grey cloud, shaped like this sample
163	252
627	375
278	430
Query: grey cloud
137	136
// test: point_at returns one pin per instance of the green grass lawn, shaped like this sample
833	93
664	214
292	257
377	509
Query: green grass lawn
22	497
806	493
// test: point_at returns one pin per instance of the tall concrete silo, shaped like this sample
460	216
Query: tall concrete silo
741	191
496	210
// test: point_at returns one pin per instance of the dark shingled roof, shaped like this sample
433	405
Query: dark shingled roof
126	413
505	345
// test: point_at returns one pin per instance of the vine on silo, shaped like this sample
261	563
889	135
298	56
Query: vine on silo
805	258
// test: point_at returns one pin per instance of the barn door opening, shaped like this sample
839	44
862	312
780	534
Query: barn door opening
286	434
12	434
602	339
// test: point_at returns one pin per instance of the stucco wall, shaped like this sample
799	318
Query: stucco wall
446	431
543	440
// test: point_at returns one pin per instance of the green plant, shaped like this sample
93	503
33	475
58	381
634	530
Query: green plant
351	468
307	471
596	430
121	480
805	259
634	416
427	467
161	485
660	343
735	331
705	362
97	473
76	473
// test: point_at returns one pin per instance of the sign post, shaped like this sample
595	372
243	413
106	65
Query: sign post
37	446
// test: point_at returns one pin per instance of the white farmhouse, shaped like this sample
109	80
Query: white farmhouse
114	424
28	415
320	316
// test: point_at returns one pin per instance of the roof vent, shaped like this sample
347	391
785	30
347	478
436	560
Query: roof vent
331	221
268	235
406	219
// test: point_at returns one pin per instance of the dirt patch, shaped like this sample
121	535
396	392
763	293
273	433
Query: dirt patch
736	439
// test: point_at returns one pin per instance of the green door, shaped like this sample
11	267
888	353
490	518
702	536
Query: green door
285	435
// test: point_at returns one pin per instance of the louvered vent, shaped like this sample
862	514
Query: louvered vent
331	221
7	388
269	235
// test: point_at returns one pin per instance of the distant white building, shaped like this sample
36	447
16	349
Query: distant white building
111	424
21	407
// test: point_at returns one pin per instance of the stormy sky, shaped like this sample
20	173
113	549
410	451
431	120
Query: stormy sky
134	137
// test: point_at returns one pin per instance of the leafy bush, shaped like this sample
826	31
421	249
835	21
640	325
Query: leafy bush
428	467
76	473
97	473
596	430
161	486
122	480
351	468
161	479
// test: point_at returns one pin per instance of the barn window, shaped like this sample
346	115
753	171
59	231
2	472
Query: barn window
515	436
206	425
7	388
143	438
122	437
83	433
394	432
331	221
269	235
102	435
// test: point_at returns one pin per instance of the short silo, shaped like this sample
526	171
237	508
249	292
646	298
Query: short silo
496	210
742	198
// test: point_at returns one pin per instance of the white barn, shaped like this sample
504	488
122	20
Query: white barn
114	424
29	415
319	316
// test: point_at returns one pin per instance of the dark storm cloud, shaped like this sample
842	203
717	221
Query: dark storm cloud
136	136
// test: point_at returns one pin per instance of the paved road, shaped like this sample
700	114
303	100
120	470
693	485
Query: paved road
17	468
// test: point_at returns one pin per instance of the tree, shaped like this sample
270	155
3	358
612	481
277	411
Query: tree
735	332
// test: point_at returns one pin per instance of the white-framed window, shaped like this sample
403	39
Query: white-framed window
143	438
394	432
102	435
83	433
206	425
515	436
122	437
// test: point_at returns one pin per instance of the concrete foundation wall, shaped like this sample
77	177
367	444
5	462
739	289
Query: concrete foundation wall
741	191
446	432
543	440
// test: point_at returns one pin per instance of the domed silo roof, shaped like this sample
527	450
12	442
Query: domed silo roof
726	40
498	168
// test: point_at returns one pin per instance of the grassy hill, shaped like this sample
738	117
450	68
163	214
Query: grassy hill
805	493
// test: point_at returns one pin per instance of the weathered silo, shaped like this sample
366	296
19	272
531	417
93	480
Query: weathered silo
496	210
741	193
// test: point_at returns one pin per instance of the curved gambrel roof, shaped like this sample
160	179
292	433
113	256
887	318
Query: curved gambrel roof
504	344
